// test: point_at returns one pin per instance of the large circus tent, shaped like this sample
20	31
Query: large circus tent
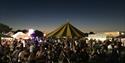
66	30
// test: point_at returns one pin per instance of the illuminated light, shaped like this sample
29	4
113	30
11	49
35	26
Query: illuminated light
122	33
6	38
112	34
98	36
109	46
17	34
26	37
31	31
44	34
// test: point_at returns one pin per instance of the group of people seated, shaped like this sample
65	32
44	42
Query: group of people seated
61	50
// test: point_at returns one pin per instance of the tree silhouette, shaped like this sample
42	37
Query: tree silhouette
91	33
24	31
4	28
38	33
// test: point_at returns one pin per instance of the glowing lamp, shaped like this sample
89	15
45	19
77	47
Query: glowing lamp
44	34
31	31
122	33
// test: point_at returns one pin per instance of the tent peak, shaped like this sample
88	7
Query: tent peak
67	20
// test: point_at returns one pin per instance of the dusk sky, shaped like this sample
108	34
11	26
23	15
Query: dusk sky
47	15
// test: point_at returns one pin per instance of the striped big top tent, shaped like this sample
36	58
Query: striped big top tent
66	30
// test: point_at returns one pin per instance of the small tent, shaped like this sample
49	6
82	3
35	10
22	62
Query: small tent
21	35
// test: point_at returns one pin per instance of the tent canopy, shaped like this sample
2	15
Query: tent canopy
21	35
66	30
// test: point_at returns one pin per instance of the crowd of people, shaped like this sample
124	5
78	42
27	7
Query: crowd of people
61	51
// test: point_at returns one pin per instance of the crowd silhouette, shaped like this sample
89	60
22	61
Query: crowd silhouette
61	50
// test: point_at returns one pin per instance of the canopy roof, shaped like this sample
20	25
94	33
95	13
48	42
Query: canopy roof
21	35
66	30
